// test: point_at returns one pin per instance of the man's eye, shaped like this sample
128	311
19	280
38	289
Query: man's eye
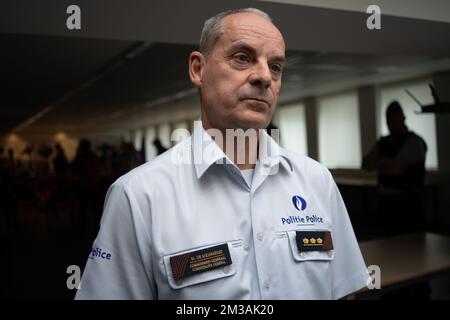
241	57
276	68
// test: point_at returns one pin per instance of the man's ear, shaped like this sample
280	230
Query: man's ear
196	65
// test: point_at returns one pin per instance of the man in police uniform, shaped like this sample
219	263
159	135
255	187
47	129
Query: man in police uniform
197	223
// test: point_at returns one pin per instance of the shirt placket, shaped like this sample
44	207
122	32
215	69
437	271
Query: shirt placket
262	235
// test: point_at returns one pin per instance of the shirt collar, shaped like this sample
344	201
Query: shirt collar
206	152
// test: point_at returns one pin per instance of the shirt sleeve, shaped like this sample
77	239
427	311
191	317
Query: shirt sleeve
349	271
115	268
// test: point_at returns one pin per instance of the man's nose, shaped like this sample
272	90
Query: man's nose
261	75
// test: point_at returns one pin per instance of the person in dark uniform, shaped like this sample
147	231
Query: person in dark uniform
399	159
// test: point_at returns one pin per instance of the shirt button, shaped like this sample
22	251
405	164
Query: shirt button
267	284
260	236
226	269
266	163
302	254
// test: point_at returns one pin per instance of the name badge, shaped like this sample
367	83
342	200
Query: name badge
202	260
314	241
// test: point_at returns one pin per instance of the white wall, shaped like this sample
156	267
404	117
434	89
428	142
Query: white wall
291	121
150	149
164	134
339	130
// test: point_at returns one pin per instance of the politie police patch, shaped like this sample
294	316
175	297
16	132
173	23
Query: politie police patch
314	241
200	261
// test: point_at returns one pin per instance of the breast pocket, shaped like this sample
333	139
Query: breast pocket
310	272
204	270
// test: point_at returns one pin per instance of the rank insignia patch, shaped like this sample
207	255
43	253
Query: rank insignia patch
314	241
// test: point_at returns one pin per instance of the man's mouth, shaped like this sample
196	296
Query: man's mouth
256	100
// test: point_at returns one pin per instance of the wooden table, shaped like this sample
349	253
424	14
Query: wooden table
407	259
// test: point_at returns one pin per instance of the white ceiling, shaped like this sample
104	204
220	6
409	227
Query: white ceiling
156	79
432	10
305	27
96	84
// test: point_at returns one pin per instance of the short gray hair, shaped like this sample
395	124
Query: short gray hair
212	29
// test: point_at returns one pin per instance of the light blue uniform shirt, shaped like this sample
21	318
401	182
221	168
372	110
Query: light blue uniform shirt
165	208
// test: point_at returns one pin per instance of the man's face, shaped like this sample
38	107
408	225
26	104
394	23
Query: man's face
395	122
241	77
